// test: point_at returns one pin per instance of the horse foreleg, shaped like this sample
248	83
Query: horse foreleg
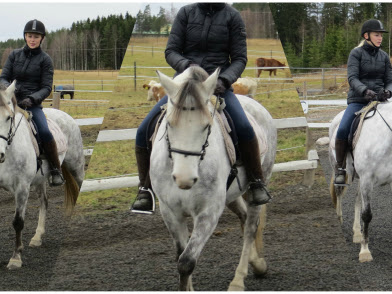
238	206
357	234
366	215
18	224
37	239
251	224
204	226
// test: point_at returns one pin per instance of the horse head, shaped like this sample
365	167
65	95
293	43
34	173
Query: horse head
7	116
188	121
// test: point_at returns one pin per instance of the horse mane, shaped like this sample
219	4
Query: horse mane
189	93
3	88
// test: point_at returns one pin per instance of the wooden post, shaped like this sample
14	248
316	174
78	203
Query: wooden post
322	79
56	100
305	91
134	71
309	173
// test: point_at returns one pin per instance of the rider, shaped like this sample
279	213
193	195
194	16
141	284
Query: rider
32	69
209	35
369	74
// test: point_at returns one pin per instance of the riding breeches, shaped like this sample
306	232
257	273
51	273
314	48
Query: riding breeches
241	123
41	123
348	117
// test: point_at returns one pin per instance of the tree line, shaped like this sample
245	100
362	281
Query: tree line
100	43
323	34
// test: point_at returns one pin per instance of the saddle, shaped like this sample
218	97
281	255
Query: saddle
356	126
58	135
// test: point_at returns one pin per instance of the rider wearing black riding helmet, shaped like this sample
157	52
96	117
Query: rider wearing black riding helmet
369	74
32	69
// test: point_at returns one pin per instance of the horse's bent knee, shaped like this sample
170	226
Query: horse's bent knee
186	265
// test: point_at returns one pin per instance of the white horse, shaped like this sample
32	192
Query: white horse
372	164
189	170
18	166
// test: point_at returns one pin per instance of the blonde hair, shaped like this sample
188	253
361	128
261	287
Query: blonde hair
361	43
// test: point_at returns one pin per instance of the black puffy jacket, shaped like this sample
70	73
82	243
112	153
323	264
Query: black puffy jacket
33	71
210	35
368	67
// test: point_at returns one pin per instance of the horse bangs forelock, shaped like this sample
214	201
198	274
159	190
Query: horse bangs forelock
3	101
191	89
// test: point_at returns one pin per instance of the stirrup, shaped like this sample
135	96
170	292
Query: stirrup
151	193
341	171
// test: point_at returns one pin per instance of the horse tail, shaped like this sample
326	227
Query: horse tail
71	190
260	229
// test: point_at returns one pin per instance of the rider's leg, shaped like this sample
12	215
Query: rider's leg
341	141
249	149
48	144
144	201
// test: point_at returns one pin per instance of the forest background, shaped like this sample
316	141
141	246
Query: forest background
323	34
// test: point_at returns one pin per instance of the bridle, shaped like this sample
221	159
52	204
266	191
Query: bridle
12	130
201	153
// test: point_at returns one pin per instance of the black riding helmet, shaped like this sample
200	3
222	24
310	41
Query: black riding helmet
34	26
372	25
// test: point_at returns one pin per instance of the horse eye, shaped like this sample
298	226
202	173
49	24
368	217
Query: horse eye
8	118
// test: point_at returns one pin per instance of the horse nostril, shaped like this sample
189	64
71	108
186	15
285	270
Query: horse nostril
174	177
195	180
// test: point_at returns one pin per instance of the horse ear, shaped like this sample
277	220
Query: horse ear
210	83
168	84
10	90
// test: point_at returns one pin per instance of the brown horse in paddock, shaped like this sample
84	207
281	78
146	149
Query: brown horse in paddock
268	62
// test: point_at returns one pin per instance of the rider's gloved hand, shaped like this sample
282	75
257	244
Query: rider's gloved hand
220	87
370	95
25	103
384	95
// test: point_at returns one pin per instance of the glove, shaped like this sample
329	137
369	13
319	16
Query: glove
25	103
370	95
384	95
220	87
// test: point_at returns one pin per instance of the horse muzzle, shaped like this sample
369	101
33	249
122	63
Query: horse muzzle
184	183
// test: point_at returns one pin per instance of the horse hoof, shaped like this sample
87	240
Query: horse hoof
365	257
259	267
357	238
35	243
14	264
234	286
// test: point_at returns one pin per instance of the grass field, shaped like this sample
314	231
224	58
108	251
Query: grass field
128	107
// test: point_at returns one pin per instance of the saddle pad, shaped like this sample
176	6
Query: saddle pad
61	140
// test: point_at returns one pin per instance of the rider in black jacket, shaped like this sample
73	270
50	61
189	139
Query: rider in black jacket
33	71
369	74
209	35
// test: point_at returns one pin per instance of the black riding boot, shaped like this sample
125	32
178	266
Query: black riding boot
250	154
50	150
145	202
341	150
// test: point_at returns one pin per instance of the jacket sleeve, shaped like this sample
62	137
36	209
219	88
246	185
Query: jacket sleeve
46	81
388	74
6	73
175	44
238	53
353	70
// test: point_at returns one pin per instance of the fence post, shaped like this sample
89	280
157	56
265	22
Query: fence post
322	79
134	71
309	173
56	100
152	51
305	91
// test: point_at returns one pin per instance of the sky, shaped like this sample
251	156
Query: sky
55	16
